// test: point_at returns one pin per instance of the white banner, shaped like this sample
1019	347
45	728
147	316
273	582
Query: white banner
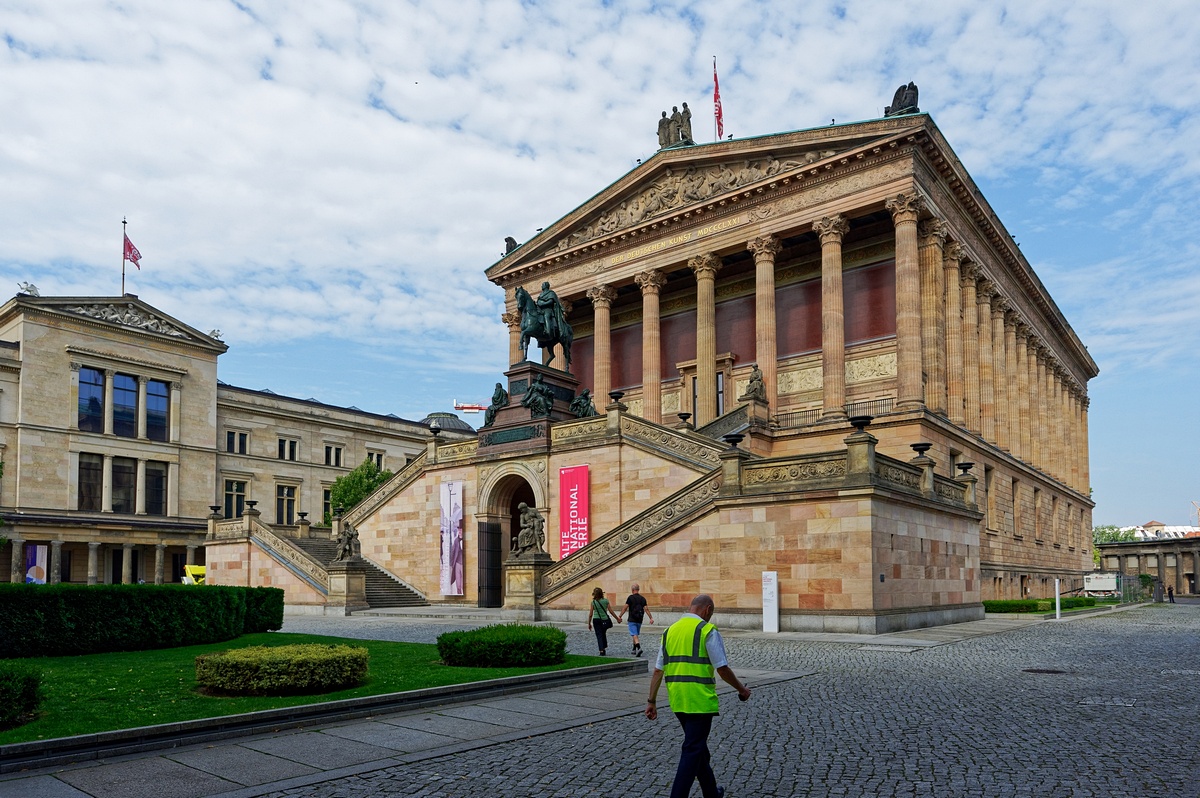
452	539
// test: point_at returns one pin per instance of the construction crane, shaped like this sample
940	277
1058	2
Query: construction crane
1197	506
469	408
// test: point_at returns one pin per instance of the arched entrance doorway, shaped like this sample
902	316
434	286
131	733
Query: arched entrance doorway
499	522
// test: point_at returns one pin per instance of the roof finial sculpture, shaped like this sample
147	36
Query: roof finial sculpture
675	129
904	101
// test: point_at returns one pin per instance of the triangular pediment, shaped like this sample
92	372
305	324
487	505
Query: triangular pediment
125	312
680	179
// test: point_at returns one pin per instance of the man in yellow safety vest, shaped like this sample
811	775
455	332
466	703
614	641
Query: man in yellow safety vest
691	657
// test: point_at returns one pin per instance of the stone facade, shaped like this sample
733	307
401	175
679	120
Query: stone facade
1173	563
117	440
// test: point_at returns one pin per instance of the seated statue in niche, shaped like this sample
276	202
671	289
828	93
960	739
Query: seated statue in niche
532	535
582	406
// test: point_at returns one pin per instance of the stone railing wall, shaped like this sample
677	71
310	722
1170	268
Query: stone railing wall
805	472
733	421
672	513
401	480
452	452
300	562
691	450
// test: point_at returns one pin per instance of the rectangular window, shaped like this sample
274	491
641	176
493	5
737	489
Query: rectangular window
236	442
158	403
285	504
124	484
720	393
91	482
1018	521
333	455
376	458
125	405
91	400
235	498
989	497
326	504
1038	525
156	488
288	448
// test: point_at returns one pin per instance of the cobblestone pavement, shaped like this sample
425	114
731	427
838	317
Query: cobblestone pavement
1100	706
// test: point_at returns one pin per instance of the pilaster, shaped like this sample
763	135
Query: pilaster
1021	355
1000	374
987	375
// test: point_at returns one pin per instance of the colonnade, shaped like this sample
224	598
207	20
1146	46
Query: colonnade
962	348
54	567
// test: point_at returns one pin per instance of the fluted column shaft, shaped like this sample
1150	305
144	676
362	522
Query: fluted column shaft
999	360
905	208
951	257
831	230
1045	428
602	297
987	375
1021	355
765	249
140	498
1085	472
933	312
1012	381
706	268
513	322
651	283
970	348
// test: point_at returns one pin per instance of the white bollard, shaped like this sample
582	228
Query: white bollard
770	601
1057	602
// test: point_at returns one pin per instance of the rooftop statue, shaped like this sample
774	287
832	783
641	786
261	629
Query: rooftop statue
904	101
664	131
676	128
543	319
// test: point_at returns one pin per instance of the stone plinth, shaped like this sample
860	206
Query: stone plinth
347	586
522	578
516	428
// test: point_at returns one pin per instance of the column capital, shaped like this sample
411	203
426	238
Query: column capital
512	320
110	373
176	386
602	295
142	379
1023	330
651	282
933	231
1000	304
76	366
765	247
952	251
1011	317
831	229
970	272
985	292
567	306
905	207
706	266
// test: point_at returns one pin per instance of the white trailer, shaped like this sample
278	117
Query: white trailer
1102	585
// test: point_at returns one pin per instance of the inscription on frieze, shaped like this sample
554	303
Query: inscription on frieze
513	435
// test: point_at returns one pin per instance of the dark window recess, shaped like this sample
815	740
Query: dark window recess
158	403
124	484
91	400
125	406
91	482
156	488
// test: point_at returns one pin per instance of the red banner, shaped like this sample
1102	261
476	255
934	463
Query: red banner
573	514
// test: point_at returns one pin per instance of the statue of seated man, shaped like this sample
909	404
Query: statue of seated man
582	406
538	398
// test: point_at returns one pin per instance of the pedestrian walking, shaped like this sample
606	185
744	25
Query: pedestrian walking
692	652
598	620
635	608
1171	595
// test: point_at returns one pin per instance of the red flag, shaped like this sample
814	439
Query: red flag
717	113
132	254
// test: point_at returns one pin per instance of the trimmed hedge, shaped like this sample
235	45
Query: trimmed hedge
1037	605
20	694
283	670
66	620
504	646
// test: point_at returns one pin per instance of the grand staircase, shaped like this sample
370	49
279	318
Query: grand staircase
383	590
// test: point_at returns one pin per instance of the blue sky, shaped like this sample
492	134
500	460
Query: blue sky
326	181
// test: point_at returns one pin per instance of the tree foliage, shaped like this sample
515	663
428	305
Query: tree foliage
1110	533
350	489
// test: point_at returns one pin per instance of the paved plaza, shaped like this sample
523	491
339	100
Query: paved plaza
1104	705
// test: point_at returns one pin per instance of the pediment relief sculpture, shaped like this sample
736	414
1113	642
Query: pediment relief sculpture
128	315
677	189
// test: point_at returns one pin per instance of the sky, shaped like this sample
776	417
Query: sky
325	181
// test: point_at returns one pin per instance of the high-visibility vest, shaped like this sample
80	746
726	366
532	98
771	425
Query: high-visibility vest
690	676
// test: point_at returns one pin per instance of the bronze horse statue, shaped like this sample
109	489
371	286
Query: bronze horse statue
532	326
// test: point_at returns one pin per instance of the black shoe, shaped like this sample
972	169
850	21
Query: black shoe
602	651
720	792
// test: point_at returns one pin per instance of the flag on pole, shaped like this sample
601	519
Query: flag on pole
132	254
718	115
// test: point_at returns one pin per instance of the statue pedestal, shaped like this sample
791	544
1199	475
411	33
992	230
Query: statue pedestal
516	428
522	580
347	586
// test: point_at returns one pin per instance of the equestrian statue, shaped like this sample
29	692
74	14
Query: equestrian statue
543	319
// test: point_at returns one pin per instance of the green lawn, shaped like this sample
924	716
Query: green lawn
102	692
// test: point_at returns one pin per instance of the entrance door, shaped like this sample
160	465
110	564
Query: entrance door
490	587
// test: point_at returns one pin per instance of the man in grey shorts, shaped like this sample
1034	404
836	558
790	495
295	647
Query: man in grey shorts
635	606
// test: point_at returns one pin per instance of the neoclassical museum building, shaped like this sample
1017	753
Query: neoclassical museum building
822	368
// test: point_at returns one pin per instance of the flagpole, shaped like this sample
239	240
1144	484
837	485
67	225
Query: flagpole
123	236
714	92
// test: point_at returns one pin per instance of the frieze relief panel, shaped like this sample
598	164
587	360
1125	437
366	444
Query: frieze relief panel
129	315
876	367
800	380
457	451
794	473
670	402
575	431
898	476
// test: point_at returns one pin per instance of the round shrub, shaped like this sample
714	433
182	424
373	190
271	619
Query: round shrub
282	670
20	694
511	645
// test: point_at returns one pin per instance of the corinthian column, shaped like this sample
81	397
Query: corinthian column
1044	421
999	360
951	258
831	229
905	208
1021	355
933	312
1036	418
602	297
1012	378
651	283
765	249
1085	468
987	366
513	321
706	268
970	316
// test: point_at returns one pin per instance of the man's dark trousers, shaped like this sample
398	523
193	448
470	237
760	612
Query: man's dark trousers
694	757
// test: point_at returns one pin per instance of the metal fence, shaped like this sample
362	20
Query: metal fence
805	418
